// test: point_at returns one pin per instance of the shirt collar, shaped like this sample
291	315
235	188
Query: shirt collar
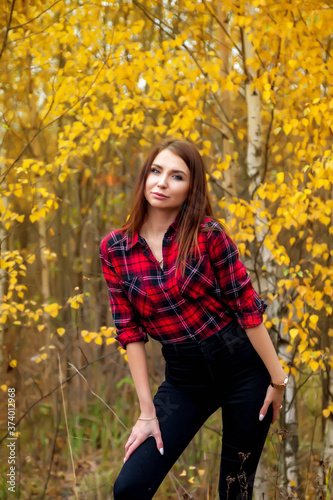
133	240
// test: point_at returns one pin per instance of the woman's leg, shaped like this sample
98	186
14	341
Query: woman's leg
244	434
181	414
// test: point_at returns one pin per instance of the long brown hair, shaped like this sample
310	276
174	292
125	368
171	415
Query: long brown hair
193	209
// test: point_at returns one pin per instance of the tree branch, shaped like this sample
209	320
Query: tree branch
7	28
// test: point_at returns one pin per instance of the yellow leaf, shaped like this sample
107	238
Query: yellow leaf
31	259
13	363
60	331
276	228
201	472
314	365
314	319
293	332
280	177
215	87
183	473
62	177
40	328
3	387
326	413
99	341
52	309
191	480
137	27
287	128
110	341
44	355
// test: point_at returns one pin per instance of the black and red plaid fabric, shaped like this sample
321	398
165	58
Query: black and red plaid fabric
170	308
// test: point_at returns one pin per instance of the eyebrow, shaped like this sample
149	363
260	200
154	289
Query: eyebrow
173	171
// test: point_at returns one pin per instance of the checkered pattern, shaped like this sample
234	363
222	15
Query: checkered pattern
170	308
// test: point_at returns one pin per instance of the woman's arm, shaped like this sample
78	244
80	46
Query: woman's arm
137	360
262	343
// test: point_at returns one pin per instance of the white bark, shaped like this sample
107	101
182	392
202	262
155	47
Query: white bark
45	290
325	486
254	147
254	164
254	125
289	444
328	435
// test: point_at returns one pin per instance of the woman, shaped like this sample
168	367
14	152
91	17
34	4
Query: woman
173	273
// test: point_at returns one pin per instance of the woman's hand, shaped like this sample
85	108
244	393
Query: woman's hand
274	397
140	432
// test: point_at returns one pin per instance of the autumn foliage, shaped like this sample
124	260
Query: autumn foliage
86	88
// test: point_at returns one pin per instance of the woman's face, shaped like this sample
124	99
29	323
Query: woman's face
168	181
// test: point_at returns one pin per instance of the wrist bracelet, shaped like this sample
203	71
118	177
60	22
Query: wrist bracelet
143	418
280	387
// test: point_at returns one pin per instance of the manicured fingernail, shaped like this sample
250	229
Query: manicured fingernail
261	417
161	451
124	460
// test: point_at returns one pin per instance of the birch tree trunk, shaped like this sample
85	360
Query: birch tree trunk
254	164
254	125
325	489
45	288
289	472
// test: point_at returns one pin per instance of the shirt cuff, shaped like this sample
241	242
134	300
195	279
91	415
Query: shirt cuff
254	317
129	336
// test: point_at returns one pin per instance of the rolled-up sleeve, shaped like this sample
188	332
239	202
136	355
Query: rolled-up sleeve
126	319
236	287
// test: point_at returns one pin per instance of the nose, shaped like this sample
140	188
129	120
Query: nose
162	181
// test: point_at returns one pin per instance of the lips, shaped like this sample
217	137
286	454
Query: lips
159	195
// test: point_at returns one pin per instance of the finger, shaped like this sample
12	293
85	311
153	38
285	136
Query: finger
276	411
130	441
132	447
159	442
264	409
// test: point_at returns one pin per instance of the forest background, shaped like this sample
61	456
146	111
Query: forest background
86	89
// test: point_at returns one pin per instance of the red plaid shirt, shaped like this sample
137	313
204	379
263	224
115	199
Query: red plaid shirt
148	300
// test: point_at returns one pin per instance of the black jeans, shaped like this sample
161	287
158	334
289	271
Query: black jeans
223	371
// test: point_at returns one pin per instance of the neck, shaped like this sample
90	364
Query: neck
158	221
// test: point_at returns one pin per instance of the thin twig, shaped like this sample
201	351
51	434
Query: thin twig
34	19
7	28
97	396
53	452
67	429
27	412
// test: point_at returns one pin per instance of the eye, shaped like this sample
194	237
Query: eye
154	170
178	177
